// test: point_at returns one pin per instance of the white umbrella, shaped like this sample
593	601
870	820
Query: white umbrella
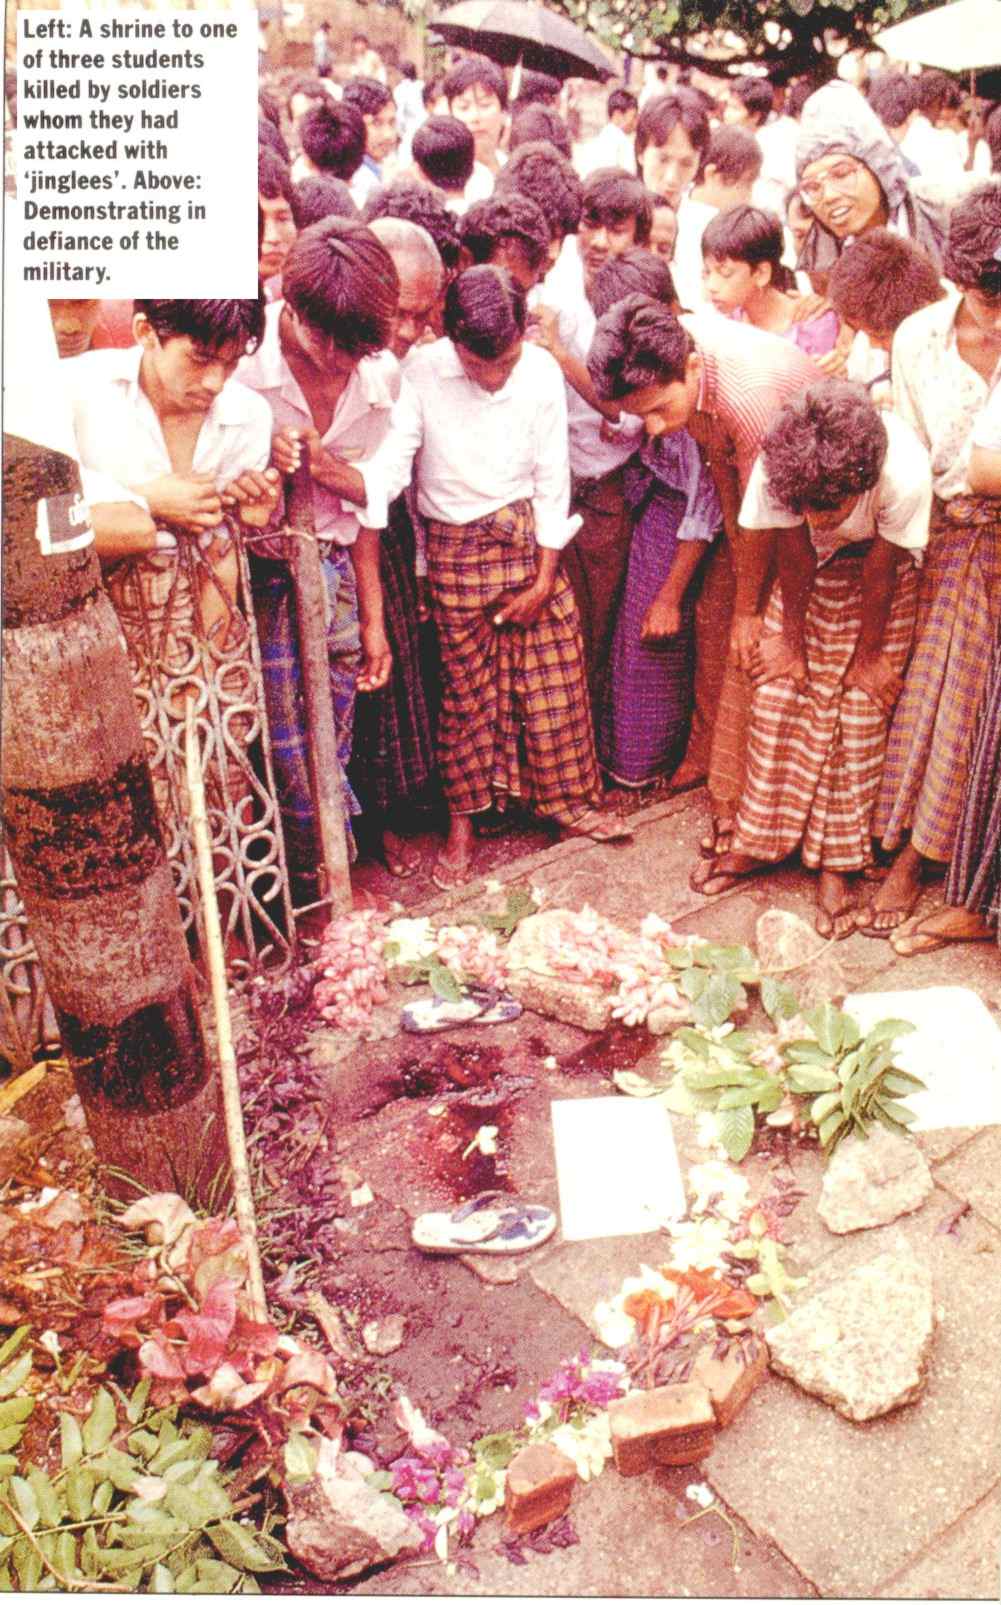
962	37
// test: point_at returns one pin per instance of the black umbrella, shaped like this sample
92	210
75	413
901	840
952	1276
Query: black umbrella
510	31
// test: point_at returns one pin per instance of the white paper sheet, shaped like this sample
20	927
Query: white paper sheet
616	1166
956	1050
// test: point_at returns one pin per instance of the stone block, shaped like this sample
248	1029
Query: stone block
589	1007
731	1380
539	1486
871	1181
670	1426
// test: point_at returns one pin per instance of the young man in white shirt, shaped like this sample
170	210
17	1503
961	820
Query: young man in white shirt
484	416
613	146
846	489
324	370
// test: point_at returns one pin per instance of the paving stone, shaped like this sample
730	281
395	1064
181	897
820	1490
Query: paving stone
578	1275
801	1475
974	1174
862	1343
964	1563
632	1545
871	1181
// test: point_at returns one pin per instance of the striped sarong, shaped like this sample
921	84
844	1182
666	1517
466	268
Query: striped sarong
928	753
647	703
392	756
974	879
815	752
515	718
278	631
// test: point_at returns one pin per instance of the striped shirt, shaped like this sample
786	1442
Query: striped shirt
747	375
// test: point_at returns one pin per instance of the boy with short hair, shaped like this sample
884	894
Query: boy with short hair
378	111
476	91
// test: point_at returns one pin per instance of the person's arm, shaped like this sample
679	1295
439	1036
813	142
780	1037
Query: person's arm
779	657
574	370
870	669
985	471
377	659
663	616
124	529
752	551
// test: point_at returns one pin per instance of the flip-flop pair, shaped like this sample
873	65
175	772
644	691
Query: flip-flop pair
479	1005
491	1223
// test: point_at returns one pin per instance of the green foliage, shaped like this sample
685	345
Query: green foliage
718	1073
519	905
146	1508
854	1078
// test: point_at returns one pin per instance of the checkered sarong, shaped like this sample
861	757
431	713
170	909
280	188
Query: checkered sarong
974	880
515	717
815	753
928	753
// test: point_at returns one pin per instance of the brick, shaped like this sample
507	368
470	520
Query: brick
540	1482
671	1426
729	1381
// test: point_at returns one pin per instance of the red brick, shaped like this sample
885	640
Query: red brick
671	1426
540	1481
730	1381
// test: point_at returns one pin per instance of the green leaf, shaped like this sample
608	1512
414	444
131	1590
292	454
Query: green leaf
223	1578
121	1469
897	1111
720	997
144	1443
161	1580
190	1505
829	1125
14	1411
28	1565
10	1345
811	1078
901	1083
694	1041
24	1498
103	1496
693	983
10	1437
678	1098
444	985
65	1554
888	1030
733	958
122	1560
186	1579
71	1440
496	1450
821	1107
635	1086
99	1427
239	1547
736	1131
15	1376
739	1097
778	1000
8	1463
771	1097
137	1404
300	1457
80	1484
49	1509
804	1052
826	1023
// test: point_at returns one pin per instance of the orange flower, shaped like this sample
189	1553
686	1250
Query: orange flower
734	1302
648	1310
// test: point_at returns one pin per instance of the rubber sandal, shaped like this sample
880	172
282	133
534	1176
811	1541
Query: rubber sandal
502	1012
718	842
449	879
441	1014
882	934
910	941
599	827
826	923
492	1223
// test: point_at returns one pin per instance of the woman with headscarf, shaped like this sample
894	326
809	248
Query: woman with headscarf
852	178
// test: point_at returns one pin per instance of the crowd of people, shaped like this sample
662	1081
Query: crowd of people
667	457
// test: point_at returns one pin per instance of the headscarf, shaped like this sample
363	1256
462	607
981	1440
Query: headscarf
839	118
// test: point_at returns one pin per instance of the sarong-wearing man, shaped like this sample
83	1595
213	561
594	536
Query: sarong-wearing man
971	911
946	360
164	427
848	489
724	383
487	415
330	385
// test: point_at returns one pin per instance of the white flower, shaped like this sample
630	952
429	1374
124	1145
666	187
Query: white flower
485	1141
701	1494
538	896
551	1062
707	1133
699	1245
50	1342
615	1327
589	1446
414	939
494	886
716	1179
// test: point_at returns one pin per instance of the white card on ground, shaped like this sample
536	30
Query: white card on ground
616	1166
956	1051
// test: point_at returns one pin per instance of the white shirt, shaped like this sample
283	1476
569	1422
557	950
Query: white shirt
897	509
987	429
360	421
938	391
473	451
592	456
611	148
686	264
363	184
479	187
119	435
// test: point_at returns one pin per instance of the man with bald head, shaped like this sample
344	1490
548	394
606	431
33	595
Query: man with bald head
393	764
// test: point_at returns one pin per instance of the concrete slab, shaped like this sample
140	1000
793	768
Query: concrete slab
974	1175
807	1479
632	1545
970	1550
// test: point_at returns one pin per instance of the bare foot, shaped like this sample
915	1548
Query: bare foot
835	906
715	876
401	857
894	900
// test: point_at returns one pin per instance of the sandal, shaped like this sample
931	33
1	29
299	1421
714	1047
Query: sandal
492	1223
449	877
401	859
720	839
909	940
479	1005
714	870
600	827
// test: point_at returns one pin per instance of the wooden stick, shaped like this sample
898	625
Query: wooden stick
215	958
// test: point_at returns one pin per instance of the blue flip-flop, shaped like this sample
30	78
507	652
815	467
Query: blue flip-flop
491	1223
479	1005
